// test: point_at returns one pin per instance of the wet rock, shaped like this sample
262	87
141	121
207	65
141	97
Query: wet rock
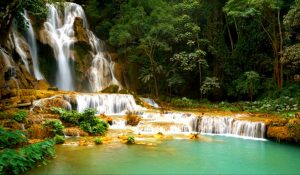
80	30
279	133
75	132
111	89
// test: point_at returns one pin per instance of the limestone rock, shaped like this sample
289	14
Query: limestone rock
80	30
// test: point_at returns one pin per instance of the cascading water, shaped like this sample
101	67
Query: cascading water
62	36
101	71
19	49
33	49
60	29
231	126
171	123
107	103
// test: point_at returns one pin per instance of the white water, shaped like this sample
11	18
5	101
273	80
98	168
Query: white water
17	40
171	123
61	35
33	49
60	26
230	126
107	103
101	71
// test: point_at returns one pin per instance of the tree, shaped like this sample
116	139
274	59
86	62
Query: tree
268	15
209	84
142	31
248	83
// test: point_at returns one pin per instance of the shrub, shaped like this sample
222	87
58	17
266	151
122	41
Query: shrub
132	119
20	115
58	139
98	141
182	102
18	162
86	120
55	126
130	140
11	139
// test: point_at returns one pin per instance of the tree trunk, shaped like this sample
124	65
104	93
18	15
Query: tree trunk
200	79
230	38
281	53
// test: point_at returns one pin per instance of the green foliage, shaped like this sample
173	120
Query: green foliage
18	162
183	103
58	139
282	104
209	84
130	140
37	8
67	116
12	139
98	141
55	126
86	120
248	83
20	116
4	115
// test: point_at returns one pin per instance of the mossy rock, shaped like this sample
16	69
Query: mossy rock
279	133
53	88
111	89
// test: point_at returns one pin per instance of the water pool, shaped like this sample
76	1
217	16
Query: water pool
223	155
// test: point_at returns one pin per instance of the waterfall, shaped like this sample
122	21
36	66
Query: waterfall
62	36
19	49
101	71
33	49
231	126
171	123
60	28
107	103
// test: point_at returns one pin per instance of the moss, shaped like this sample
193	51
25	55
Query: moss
82	49
111	89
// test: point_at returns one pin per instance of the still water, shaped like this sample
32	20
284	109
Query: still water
221	155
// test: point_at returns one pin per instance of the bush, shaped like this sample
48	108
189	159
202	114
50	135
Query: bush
18	162
58	139
183	103
11	139
98	141
130	140
67	116
20	115
55	126
132	119
86	120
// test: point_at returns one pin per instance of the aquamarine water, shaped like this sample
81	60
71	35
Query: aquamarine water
223	155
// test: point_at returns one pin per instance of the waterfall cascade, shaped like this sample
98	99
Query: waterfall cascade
20	50
169	123
231	126
33	49
109	104
61	33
